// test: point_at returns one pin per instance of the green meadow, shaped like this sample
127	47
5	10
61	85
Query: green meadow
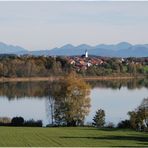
70	136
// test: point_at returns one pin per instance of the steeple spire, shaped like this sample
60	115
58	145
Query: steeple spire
86	54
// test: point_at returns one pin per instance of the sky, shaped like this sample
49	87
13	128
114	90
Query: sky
45	25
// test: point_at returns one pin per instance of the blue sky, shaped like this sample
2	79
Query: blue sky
44	25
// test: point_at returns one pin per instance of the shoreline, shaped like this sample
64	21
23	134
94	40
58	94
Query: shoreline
27	79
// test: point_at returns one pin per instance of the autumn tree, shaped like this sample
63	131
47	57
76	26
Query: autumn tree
72	101
133	119
139	117
131	68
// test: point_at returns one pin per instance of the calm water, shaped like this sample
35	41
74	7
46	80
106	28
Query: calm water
31	99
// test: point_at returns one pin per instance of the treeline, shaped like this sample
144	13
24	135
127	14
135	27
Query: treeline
19	121
12	66
31	66
115	67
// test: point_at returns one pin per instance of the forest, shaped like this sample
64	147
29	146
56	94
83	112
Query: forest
30	66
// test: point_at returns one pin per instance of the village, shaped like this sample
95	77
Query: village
84	61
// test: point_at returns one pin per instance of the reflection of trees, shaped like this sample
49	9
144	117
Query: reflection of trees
19	90
23	89
117	84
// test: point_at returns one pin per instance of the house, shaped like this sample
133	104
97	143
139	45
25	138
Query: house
72	62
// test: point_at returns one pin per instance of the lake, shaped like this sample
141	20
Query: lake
31	99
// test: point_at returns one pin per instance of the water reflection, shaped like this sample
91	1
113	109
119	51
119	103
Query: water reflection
118	84
35	99
17	90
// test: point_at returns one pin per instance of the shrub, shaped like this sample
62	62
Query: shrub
17	121
124	124
5	121
110	125
32	123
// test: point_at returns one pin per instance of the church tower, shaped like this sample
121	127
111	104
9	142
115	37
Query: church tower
86	54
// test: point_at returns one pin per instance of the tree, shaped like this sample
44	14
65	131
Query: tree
139	117
133	119
17	121
124	124
99	118
53	91
72	102
131	68
144	111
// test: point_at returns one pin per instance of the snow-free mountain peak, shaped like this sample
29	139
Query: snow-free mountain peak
122	49
7	49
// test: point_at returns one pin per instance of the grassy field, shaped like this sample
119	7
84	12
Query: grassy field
78	136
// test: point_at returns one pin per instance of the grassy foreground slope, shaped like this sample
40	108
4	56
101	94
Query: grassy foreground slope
68	136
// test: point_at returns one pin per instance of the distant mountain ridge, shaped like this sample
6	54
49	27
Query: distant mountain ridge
8	49
122	49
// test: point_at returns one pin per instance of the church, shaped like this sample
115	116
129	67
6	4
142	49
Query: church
85	55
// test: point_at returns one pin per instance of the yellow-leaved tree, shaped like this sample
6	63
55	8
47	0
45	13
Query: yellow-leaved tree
72	101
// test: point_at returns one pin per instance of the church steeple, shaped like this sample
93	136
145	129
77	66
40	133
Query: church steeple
86	54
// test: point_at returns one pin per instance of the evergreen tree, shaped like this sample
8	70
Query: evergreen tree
99	118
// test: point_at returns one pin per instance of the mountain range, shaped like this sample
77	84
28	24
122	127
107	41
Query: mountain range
123	49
